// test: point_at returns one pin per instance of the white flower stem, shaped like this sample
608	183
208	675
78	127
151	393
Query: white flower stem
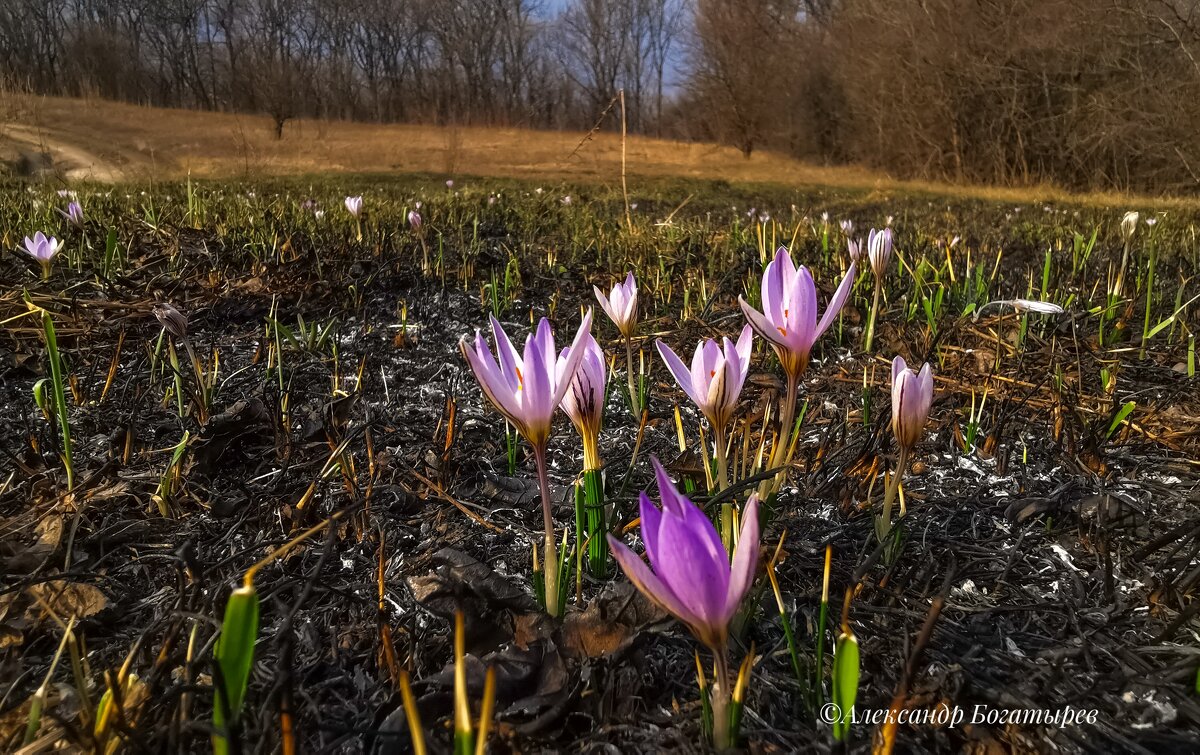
550	559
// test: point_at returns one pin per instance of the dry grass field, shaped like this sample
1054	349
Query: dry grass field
92	139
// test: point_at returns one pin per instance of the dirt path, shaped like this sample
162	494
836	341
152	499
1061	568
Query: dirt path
72	162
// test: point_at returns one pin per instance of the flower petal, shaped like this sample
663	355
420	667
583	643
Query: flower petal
577	353
678	369
649	584
836	303
745	559
803	302
687	564
762	324
510	360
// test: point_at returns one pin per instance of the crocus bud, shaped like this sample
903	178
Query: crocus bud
854	246
172	320
621	305
847	227
414	220
912	395
354	205
879	250
1040	307
584	400
73	214
1129	225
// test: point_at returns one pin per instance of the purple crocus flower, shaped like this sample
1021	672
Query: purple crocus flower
73	214
42	249
414	220
692	578
621	304
526	389
912	395
715	379
450	183
354	205
879	250
789	317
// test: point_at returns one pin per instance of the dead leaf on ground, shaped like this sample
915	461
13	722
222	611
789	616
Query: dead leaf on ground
65	599
609	623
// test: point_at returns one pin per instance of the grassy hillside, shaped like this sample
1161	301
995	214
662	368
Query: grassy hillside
108	141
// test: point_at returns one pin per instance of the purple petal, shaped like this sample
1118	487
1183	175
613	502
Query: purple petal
745	344
576	355
605	305
836	303
649	584
672	500
804	315
925	384
678	369
705	363
745	558
494	387
761	324
537	390
510	361
688	565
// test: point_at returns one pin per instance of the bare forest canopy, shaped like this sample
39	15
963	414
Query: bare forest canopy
1085	94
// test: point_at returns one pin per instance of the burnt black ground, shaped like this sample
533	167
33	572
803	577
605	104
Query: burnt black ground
1063	563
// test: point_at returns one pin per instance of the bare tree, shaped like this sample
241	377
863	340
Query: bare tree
739	61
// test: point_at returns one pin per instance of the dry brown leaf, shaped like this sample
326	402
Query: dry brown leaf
66	599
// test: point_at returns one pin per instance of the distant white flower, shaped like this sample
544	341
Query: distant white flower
1023	305
1041	307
